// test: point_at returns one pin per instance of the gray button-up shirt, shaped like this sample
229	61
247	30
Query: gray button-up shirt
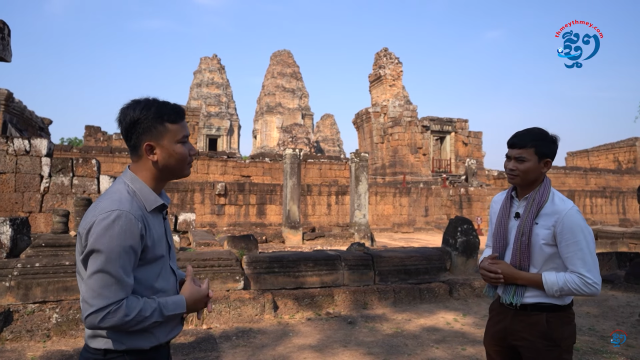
126	269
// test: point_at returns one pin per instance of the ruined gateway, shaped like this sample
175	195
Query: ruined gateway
297	188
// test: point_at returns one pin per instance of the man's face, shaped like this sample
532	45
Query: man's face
523	168
174	152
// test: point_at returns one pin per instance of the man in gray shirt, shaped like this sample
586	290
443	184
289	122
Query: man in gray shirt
132	294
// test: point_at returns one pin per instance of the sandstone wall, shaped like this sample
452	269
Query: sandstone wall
94	136
414	208
467	145
620	155
32	183
255	193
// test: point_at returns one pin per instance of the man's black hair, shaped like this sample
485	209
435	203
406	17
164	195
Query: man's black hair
544	144
144	119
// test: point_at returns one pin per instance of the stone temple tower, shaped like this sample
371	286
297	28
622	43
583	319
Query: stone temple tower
211	111
283	116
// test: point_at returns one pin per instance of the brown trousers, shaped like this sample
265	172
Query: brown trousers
516	334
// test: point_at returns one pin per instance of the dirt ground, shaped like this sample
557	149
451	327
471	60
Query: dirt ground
450	330
447	330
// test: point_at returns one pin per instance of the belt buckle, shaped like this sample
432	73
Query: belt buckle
512	307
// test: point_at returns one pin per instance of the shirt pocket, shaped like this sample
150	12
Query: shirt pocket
544	233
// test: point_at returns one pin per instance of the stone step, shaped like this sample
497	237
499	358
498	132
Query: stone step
51	245
43	279
293	269
416	265
221	267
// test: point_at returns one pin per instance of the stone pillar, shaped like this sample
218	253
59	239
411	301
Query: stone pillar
80	206
359	198
291	226
461	239
60	221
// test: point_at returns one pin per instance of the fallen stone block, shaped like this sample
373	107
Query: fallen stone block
15	236
186	222
241	245
312	235
43	279
416	265
200	239
357	268
290	270
461	239
46	245
221	267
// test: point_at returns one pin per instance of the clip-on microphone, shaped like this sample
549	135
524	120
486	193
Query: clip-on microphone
517	216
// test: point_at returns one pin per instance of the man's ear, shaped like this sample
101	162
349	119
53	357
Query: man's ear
546	165
150	151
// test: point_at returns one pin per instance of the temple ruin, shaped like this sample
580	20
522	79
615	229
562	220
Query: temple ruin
296	191
400	144
283	102
17	120
211	111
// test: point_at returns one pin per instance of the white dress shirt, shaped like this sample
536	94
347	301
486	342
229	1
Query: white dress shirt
563	249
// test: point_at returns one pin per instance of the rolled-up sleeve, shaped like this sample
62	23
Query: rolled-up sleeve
577	248
113	246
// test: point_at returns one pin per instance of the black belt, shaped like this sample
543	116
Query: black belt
538	307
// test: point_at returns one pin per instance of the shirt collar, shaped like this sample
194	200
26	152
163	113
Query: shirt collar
515	196
149	198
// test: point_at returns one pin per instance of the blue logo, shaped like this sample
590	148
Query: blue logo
573	52
618	338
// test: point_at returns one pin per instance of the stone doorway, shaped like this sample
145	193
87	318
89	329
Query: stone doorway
212	143
440	153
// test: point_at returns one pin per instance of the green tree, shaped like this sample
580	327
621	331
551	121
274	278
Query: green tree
74	141
637	116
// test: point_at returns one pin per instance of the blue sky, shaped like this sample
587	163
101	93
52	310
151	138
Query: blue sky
494	63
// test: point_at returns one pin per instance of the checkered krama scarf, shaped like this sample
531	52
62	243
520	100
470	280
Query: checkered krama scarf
521	253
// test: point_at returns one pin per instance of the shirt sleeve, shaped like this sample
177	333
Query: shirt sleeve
113	246
577	248
488	246
181	275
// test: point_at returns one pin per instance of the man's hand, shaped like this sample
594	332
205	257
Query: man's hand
514	276
510	275
197	295
490	273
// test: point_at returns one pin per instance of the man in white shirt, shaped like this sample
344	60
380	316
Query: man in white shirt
540	252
